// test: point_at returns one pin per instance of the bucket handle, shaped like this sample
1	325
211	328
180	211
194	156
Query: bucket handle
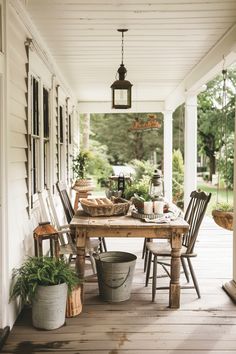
116	287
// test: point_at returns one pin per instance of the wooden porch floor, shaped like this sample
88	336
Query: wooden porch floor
138	326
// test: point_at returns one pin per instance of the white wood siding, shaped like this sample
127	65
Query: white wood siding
20	222
20	227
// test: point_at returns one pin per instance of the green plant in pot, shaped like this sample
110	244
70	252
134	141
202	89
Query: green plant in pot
44	283
80	168
138	193
222	214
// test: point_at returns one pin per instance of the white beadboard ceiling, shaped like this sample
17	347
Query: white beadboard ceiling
165	41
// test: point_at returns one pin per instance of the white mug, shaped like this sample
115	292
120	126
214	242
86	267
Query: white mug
148	207
159	207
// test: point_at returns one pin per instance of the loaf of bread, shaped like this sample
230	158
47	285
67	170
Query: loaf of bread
96	201
86	201
99	201
107	201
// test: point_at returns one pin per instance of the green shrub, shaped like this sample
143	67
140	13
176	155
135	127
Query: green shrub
142	168
178	178
99	166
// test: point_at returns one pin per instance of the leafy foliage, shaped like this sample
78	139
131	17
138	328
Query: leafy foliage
43	271
123	144
80	164
141	188
226	161
210	114
142	168
99	165
178	178
178	128
223	207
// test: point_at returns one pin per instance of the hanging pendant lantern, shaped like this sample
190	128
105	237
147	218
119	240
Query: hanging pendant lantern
121	88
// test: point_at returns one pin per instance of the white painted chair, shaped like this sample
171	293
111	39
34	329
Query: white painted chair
67	244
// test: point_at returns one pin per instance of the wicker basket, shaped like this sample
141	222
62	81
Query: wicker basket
74	302
119	207
223	219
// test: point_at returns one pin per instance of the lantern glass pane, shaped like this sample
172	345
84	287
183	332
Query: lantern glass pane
121	97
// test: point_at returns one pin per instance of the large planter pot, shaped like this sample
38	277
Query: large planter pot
223	219
49	306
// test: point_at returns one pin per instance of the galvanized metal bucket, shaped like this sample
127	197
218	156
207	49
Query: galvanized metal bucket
115	274
49	306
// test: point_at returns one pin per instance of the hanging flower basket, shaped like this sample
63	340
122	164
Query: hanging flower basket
223	219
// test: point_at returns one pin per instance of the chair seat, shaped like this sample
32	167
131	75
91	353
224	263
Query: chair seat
162	248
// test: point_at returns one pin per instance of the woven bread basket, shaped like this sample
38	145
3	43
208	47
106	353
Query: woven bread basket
118	206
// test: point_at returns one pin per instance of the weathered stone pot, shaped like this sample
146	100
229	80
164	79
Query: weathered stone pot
223	219
49	306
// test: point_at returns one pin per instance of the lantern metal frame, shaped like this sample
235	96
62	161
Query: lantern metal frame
121	84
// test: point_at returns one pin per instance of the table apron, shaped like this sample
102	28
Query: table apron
148	233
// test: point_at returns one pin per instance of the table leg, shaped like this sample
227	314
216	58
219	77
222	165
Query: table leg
174	294
76	203
80	259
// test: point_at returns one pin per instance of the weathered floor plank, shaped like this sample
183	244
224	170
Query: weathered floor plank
138	326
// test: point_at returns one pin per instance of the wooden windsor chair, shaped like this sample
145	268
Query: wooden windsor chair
194	215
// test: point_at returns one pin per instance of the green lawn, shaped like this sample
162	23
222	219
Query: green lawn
208	188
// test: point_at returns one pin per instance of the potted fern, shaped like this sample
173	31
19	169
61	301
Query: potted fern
223	215
43	283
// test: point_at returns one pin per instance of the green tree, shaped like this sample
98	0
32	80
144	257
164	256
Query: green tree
98	165
213	126
123	144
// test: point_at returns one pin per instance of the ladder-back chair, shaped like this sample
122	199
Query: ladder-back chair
67	244
48	213
69	211
194	215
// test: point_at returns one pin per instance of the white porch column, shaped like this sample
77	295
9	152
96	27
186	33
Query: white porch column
190	148
168	137
230	287
86	131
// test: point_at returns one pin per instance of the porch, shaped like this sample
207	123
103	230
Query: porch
205	325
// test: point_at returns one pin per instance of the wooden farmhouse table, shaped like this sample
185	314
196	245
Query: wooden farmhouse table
83	226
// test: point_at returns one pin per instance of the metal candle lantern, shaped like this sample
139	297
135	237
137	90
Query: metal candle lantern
156	189
121	183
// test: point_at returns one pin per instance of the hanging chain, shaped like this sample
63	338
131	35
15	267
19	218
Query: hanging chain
225	121
224	132
122	47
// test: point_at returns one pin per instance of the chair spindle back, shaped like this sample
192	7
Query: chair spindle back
194	215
